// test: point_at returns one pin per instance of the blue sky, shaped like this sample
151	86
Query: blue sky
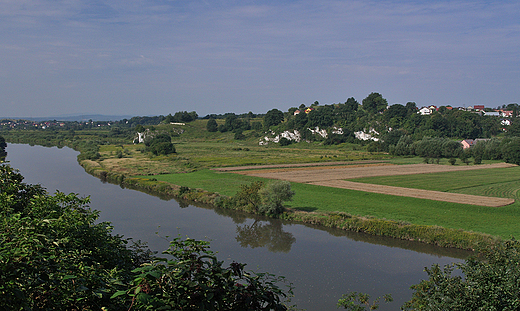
139	57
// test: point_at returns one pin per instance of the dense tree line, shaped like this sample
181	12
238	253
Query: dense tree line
181	117
374	113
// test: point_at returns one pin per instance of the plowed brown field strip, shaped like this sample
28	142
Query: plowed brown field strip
335	177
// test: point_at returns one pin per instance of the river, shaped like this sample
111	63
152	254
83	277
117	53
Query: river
322	263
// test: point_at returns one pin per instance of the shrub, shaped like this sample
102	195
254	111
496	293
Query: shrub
273	196
53	254
193	279
212	125
248	198
490	282
285	142
162	148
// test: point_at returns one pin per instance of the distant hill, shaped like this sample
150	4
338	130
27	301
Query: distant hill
85	117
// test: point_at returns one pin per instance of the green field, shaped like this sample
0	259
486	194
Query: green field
500	182
501	221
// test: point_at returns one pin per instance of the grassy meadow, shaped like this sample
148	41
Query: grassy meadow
501	221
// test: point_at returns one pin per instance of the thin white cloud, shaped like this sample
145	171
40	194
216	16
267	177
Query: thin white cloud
254	54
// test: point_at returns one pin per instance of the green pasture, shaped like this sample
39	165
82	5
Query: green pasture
499	182
501	221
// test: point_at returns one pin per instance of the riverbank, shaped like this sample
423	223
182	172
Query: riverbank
430	234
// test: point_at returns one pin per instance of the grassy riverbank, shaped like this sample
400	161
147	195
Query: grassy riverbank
494	221
440	223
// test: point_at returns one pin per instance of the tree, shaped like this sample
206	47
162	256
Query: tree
395	111
510	148
162	148
273	196
139	128
352	104
321	117
212	125
160	144
182	116
404	146
411	108
374	103
273	117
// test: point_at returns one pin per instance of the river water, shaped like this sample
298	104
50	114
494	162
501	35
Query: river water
321	263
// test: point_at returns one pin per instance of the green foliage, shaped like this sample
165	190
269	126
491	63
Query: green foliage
160	144
321	117
374	103
285	142
191	278
257	198
336	139
181	117
212	125
510	148
53	254
89	150
360	302
3	145
248	198
273	117
273	196
489	282
239	135
162	148
436	148
404	146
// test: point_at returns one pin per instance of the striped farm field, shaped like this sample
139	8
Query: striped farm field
336	177
496	182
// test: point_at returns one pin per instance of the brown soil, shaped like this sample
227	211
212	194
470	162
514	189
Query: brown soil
334	176
252	167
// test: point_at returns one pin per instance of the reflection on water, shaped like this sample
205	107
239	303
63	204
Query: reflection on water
268	234
323	263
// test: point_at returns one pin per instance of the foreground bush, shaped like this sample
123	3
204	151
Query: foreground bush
489	282
54	256
192	278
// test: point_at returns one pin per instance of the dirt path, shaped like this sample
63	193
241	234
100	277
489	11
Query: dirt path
252	167
334	176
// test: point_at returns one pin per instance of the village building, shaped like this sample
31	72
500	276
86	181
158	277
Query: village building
467	143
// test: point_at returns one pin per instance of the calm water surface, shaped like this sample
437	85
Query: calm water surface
322	263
